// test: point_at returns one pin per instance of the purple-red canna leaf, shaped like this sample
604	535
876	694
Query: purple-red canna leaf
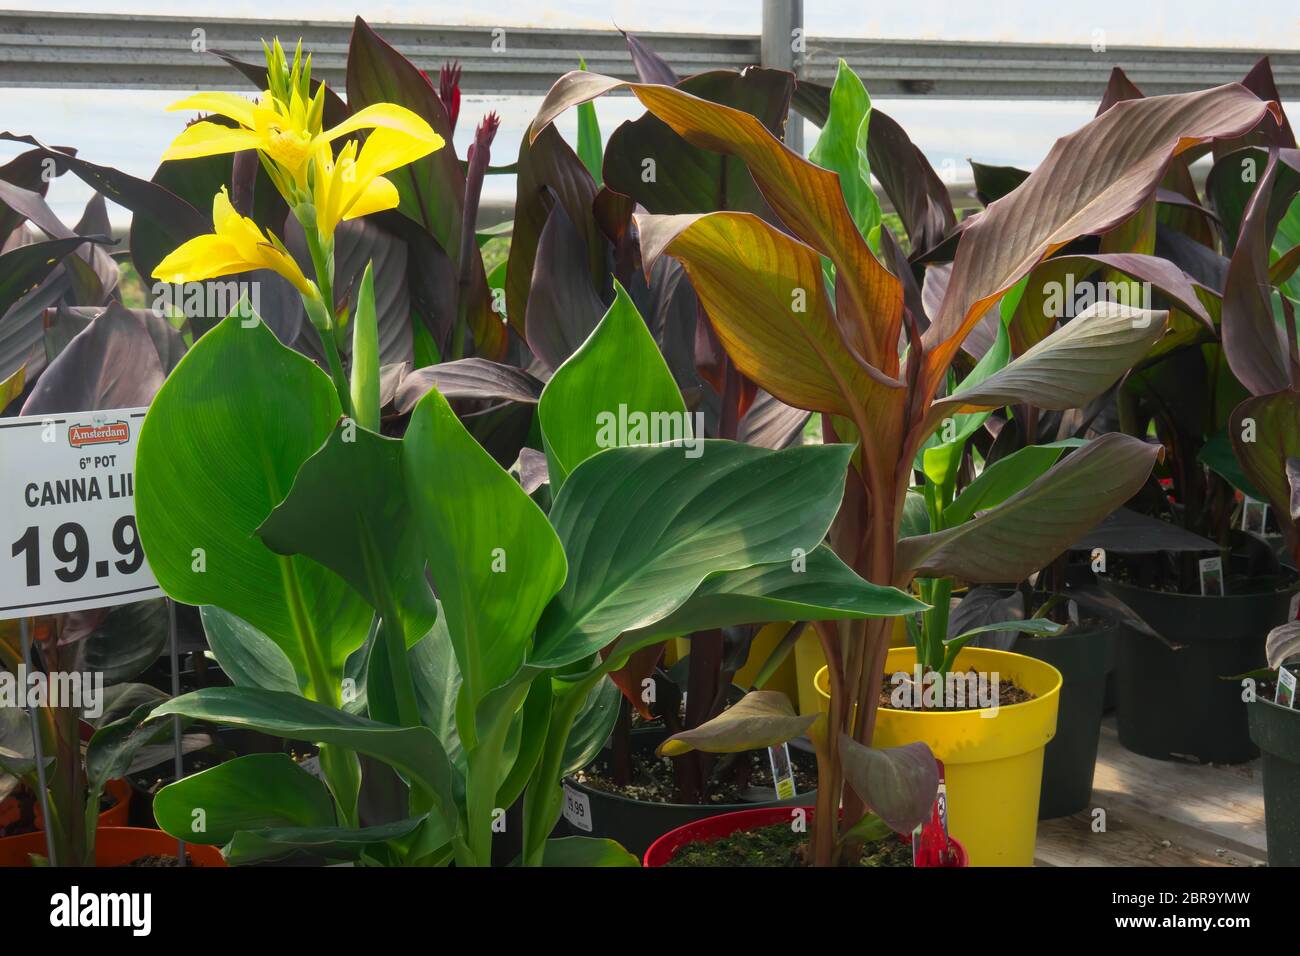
1265	432
1091	181
1253	341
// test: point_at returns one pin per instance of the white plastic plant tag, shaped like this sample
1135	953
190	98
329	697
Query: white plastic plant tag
1211	577
782	771
312	766
1254	516
1285	688
577	808
67	522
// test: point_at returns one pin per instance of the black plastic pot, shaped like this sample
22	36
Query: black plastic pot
1071	755
1276	731
1112	651
635	824
1175	703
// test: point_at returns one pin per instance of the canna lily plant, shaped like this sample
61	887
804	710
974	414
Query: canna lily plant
81	756
1182	391
1261	345
321	188
1189	386
1260	341
853	350
313	549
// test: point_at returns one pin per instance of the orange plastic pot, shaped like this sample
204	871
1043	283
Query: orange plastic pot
114	846
114	816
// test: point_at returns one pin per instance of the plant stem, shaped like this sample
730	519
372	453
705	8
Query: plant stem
339	765
936	624
544	793
323	263
692	770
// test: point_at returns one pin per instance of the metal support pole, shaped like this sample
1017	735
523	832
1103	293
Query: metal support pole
782	48
38	750
176	718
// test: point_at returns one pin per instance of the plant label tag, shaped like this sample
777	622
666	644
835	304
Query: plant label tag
1254	515
68	538
577	808
1211	577
782	771
312	766
1285	688
930	838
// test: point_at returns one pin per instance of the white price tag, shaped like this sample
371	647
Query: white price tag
1286	684
782	771
68	538
577	808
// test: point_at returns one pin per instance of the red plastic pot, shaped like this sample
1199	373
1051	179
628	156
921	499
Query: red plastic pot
713	828
114	846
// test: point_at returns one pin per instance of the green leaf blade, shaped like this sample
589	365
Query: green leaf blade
643	527
248	793
492	555
219	449
617	376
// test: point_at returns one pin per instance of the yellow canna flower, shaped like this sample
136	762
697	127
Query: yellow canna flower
353	185
289	134
237	245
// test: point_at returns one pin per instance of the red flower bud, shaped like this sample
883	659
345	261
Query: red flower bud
449	91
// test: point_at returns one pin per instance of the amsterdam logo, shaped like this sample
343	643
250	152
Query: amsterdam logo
109	433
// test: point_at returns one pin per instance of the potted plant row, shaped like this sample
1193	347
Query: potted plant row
462	511
765	295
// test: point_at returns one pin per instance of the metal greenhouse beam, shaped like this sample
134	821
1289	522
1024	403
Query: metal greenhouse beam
80	50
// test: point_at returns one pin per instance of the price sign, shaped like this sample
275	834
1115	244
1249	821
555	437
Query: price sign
68	539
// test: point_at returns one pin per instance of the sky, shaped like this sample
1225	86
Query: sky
129	129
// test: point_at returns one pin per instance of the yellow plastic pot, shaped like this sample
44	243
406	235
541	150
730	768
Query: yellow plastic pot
993	765
764	643
809	659
673	651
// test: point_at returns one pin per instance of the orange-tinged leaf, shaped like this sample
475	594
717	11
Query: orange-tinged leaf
807	198
763	292
630	678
